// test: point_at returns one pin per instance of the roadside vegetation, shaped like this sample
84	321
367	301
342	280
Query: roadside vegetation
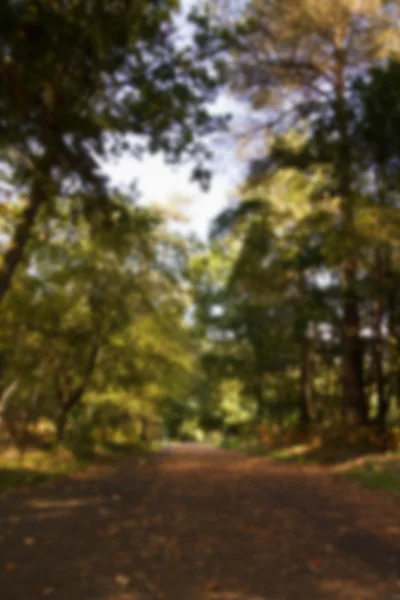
280	334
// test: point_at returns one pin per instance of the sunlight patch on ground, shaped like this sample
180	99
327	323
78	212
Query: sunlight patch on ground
340	589
62	504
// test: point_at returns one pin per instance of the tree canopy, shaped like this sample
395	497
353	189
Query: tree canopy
289	313
83	79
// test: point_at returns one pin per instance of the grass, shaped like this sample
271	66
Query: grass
13	478
359	462
378	474
296	454
252	447
234	443
379	471
37	466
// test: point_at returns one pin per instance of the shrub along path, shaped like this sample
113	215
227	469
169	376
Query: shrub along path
194	524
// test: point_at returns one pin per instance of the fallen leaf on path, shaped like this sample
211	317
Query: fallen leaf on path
113	530
213	586
393	530
29	541
14	519
116	497
315	564
122	580
48	591
10	567
44	591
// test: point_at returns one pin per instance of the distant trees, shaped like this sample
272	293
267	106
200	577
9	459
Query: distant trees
96	306
97	316
283	295
316	70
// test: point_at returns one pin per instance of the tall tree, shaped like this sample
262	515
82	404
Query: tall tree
376	131
79	77
298	60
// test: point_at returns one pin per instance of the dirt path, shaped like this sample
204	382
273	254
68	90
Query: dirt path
199	525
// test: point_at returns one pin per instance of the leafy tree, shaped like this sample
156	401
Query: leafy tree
95	315
376	129
80	79
298	62
272	287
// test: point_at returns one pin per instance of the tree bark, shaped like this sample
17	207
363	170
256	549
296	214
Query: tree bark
73	398
61	423
15	252
38	196
383	401
378	349
306	388
356	408
392	311
260	402
306	392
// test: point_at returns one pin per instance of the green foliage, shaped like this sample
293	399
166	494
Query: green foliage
378	475
37	466
316	73
93	332
123	74
84	81
117	329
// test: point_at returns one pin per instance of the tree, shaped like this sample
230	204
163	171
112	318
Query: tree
376	130
95	315
273	283
78	78
298	62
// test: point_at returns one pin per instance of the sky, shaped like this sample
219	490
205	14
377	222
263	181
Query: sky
163	184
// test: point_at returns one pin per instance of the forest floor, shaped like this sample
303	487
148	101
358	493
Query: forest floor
191	523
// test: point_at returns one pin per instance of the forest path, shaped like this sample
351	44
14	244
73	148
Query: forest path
192	523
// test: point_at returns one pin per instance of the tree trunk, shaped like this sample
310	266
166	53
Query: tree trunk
393	353
61	423
383	401
302	326
356	406
378	349
71	399
397	396
15	252
260	402
306	392
356	409
143	430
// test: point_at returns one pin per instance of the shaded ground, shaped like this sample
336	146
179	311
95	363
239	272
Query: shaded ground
190	524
